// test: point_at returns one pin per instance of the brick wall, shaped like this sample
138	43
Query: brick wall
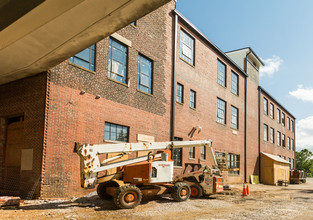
73	117
267	146
202	78
25	97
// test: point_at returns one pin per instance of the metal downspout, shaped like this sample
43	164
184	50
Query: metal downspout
245	141
174	79
259	133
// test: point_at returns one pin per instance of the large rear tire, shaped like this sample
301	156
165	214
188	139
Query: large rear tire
127	197
101	189
196	191
180	192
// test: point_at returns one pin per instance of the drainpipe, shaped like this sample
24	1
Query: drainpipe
259	135
174	79
245	141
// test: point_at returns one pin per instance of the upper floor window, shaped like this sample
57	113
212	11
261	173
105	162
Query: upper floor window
265	106
234	117
180	93
234	83
192	99
288	143
221	111
265	132
144	74
85	58
292	126
272	136
293	164
292	146
288	123
117	61
221	73
278	115
115	132
272	111
186	47
283	141
278	139
283	119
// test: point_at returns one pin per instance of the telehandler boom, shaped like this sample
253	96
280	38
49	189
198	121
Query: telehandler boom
149	175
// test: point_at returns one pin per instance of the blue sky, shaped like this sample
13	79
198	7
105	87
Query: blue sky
281	33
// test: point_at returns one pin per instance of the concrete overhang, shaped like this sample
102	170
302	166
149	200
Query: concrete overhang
36	35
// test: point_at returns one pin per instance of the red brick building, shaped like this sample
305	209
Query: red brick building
157	79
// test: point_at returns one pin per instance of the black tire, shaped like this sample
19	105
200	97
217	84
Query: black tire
196	191
127	197
180	192
101	189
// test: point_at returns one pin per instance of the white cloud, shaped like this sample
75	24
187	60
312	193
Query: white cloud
271	65
304	94
304	134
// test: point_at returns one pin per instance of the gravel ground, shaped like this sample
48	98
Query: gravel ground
264	202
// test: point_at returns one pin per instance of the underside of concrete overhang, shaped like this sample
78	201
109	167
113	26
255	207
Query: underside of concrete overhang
36	35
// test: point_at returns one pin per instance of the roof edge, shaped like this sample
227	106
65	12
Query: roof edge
249	48
197	31
281	106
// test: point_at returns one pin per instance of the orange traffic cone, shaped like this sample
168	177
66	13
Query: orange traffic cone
247	189
244	190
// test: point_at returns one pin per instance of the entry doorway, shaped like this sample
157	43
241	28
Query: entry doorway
12	154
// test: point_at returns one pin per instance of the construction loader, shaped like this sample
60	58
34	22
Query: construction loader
148	175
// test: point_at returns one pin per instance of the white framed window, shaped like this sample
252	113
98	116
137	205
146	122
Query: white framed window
187	47
221	111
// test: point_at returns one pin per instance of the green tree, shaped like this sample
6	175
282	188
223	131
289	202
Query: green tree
304	161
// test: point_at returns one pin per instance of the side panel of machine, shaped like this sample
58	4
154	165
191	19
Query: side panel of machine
161	171
137	173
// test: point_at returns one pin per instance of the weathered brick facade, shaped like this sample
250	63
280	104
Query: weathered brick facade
26	99
286	129
75	117
202	78
57	113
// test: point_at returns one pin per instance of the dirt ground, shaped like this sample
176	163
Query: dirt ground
264	202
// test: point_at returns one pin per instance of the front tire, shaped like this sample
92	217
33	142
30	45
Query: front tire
180	192
127	197
196	191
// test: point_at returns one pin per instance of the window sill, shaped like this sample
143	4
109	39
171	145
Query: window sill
234	175
187	62
113	142
138	90
82	68
191	158
236	129
178	167
235	94
133	26
221	123
225	87
194	109
179	103
118	82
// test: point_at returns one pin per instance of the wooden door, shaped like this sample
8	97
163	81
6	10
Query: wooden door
12	159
